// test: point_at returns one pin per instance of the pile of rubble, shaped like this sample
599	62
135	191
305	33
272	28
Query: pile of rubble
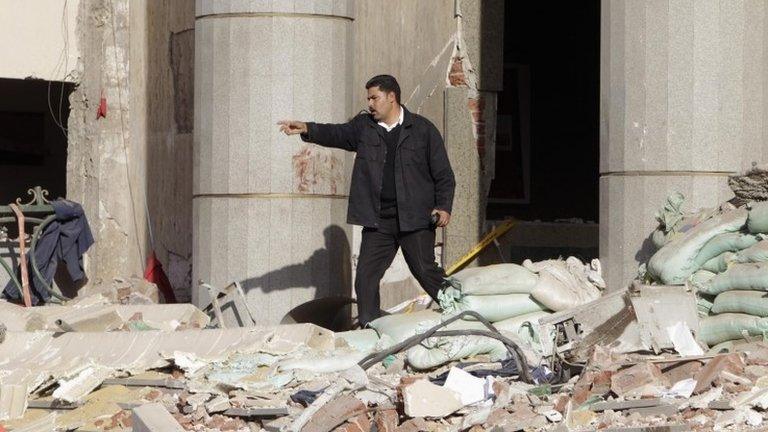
533	347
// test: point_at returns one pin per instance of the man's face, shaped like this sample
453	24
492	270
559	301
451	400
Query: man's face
380	104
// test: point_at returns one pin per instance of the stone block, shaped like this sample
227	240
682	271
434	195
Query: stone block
636	377
732	363
386	420
154	418
424	399
334	413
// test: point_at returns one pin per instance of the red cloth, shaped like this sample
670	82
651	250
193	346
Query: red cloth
101	111
155	274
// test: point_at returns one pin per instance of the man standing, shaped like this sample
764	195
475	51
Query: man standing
401	178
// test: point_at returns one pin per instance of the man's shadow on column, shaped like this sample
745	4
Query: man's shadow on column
327	269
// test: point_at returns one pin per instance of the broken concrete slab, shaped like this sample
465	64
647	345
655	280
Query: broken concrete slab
84	382
13	401
95	318
154	418
424	399
218	404
32	357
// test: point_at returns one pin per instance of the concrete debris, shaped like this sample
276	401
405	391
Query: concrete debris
13	401
154	418
424	399
81	384
631	360
133	290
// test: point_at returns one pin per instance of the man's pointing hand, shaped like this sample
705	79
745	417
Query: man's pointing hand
290	127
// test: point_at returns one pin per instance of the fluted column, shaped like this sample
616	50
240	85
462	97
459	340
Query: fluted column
269	210
683	105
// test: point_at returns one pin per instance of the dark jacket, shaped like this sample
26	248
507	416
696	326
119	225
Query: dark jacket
423	176
65	240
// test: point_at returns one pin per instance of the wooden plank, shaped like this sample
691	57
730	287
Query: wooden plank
144	382
625	404
666	428
52	404
257	412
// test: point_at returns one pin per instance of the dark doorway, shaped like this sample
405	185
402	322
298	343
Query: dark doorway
548	131
33	137
547	157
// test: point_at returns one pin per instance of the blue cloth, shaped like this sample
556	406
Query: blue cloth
65	239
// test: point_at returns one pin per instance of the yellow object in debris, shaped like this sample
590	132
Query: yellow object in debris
475	251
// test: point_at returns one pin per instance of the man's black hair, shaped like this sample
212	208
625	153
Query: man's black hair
385	83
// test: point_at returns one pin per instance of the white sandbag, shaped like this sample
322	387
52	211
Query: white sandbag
676	261
704	304
399	327
746	302
434	352
363	340
754	254
563	284
757	222
747	276
719	263
525	326
730	326
700	277
728	242
491	307
494	279
674	222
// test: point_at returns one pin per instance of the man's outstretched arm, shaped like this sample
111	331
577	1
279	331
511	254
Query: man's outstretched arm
343	136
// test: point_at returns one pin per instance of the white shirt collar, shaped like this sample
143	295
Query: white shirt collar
399	121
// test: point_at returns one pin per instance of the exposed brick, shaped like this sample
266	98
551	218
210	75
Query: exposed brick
680	371
476	104
500	420
333	413
414	425
561	403
387	420
456	76
602	383
730	362
635	377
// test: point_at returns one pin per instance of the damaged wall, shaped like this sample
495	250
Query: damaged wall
139	57
105	153
169	110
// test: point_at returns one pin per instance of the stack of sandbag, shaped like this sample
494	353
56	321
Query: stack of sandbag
511	296
503	291
724	255
496	292
566	284
436	351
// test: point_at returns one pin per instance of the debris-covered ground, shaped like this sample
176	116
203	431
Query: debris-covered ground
534	347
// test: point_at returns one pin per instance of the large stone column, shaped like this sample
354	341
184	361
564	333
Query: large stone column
683	104
269	210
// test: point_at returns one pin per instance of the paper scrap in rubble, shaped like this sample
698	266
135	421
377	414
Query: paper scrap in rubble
683	341
469	387
683	388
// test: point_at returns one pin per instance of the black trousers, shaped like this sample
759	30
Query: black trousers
378	250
